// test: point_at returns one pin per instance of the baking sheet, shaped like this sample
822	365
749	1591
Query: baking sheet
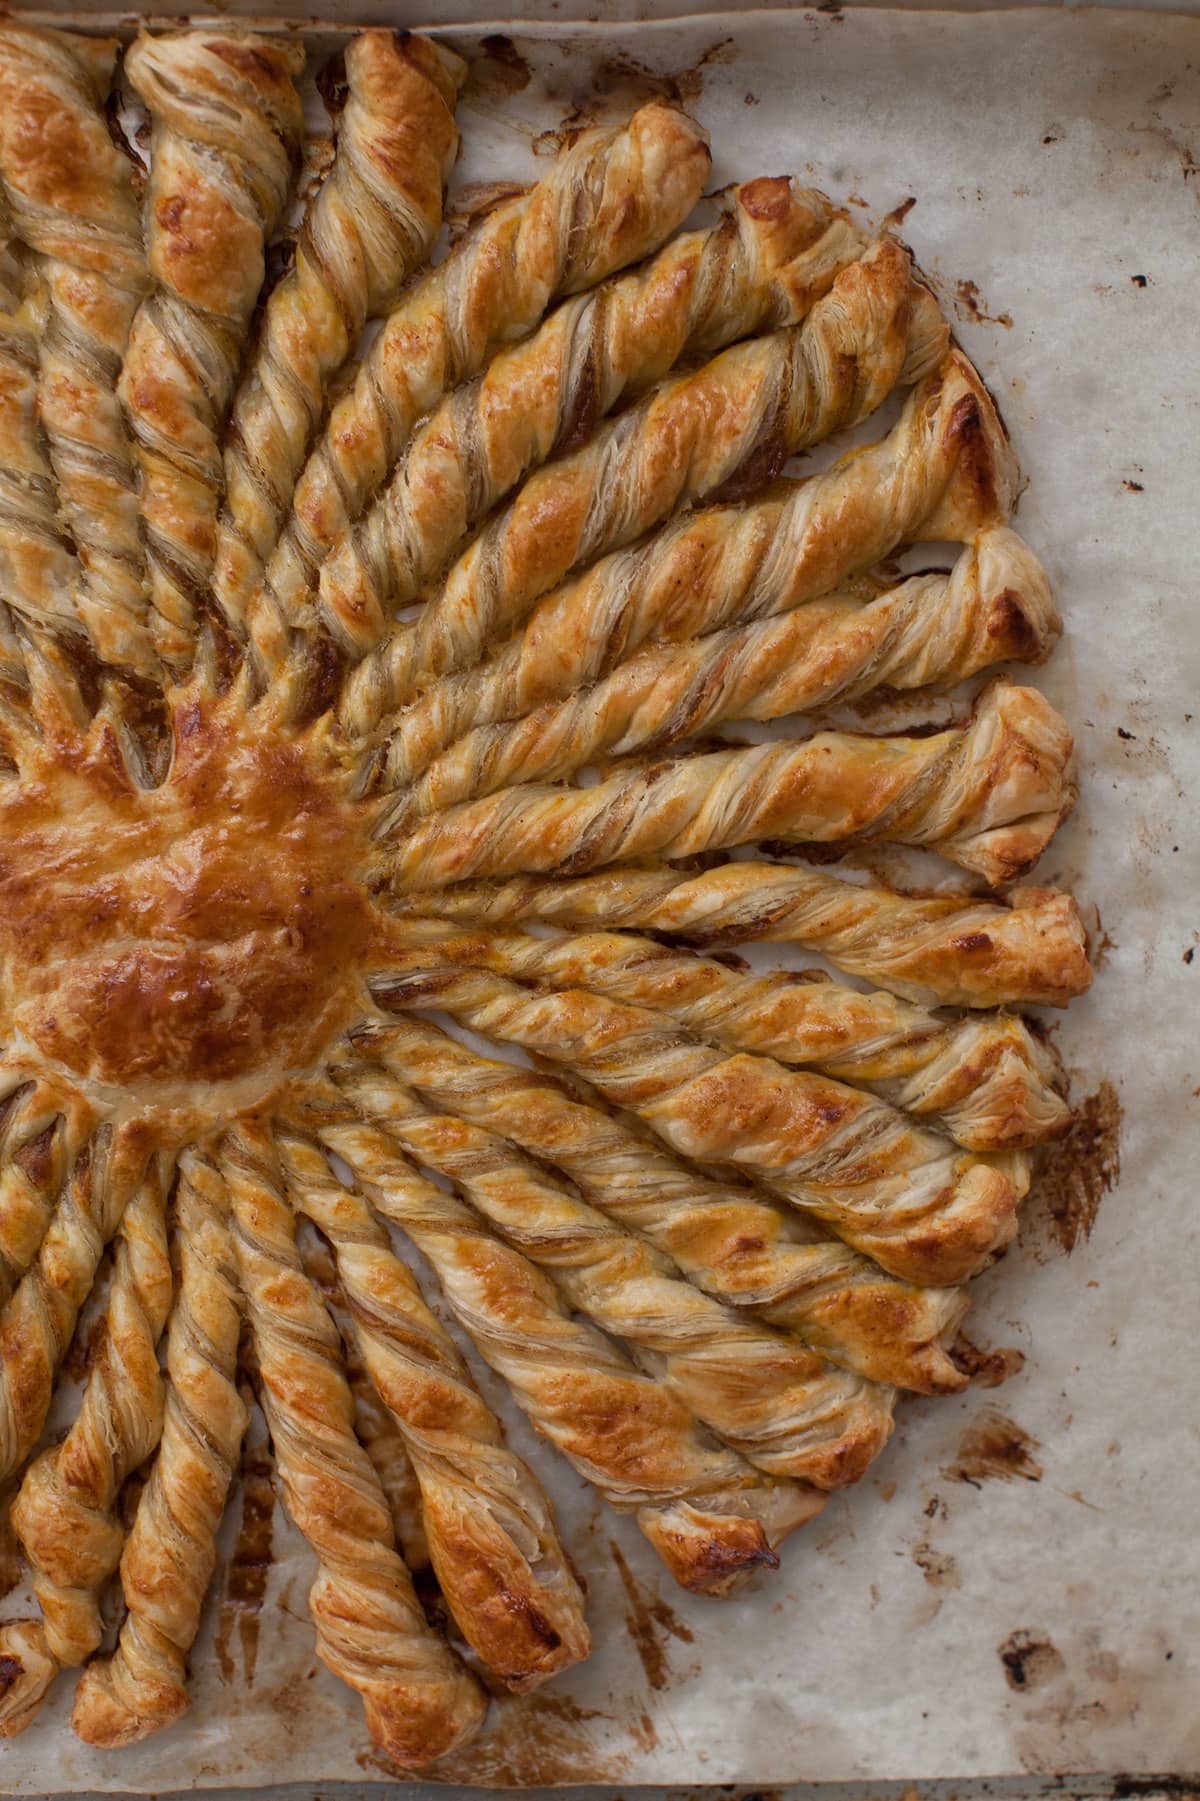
1014	1586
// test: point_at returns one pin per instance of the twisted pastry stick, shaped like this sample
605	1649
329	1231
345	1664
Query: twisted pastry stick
936	950
491	1531
39	574
900	1194
709	1515
43	1131
37	1324
945	465
419	1701
65	1514
227	123
373	222
729	1239
374	1426
741	415
607	201
545	396
986	1081
171	1548
778	1404
72	196
936	629
989	795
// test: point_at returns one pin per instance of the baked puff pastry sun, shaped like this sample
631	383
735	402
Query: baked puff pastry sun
365	651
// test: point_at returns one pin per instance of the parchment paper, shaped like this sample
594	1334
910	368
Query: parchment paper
1042	1617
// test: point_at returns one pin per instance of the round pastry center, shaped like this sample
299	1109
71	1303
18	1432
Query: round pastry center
204	932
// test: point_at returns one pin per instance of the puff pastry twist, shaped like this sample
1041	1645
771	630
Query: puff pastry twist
419	1701
710	1516
489	1527
931	630
39	573
372	223
989	795
43	1127
71	191
65	1514
777	1403
900	1193
741	415
952	949
169	1555
773	258
728	1236
986	1081
945	464
37	1324
227	123
608	200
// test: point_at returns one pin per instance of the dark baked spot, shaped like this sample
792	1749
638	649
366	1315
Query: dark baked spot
1030	1660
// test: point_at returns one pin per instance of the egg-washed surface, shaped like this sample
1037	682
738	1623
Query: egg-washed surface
358	1099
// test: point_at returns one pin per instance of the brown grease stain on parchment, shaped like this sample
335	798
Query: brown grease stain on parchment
1075	1175
650	1623
532	1741
249	1566
995	1447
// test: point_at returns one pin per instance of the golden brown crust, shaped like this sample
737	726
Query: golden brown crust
624	1432
372	223
37	1324
227	125
544	397
736	566
930	630
73	201
141	1686
741	415
988	1082
66	1512
728	1236
490	1530
419	1700
608	200
989	795
778	1404
894	1191
147	939
944	949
